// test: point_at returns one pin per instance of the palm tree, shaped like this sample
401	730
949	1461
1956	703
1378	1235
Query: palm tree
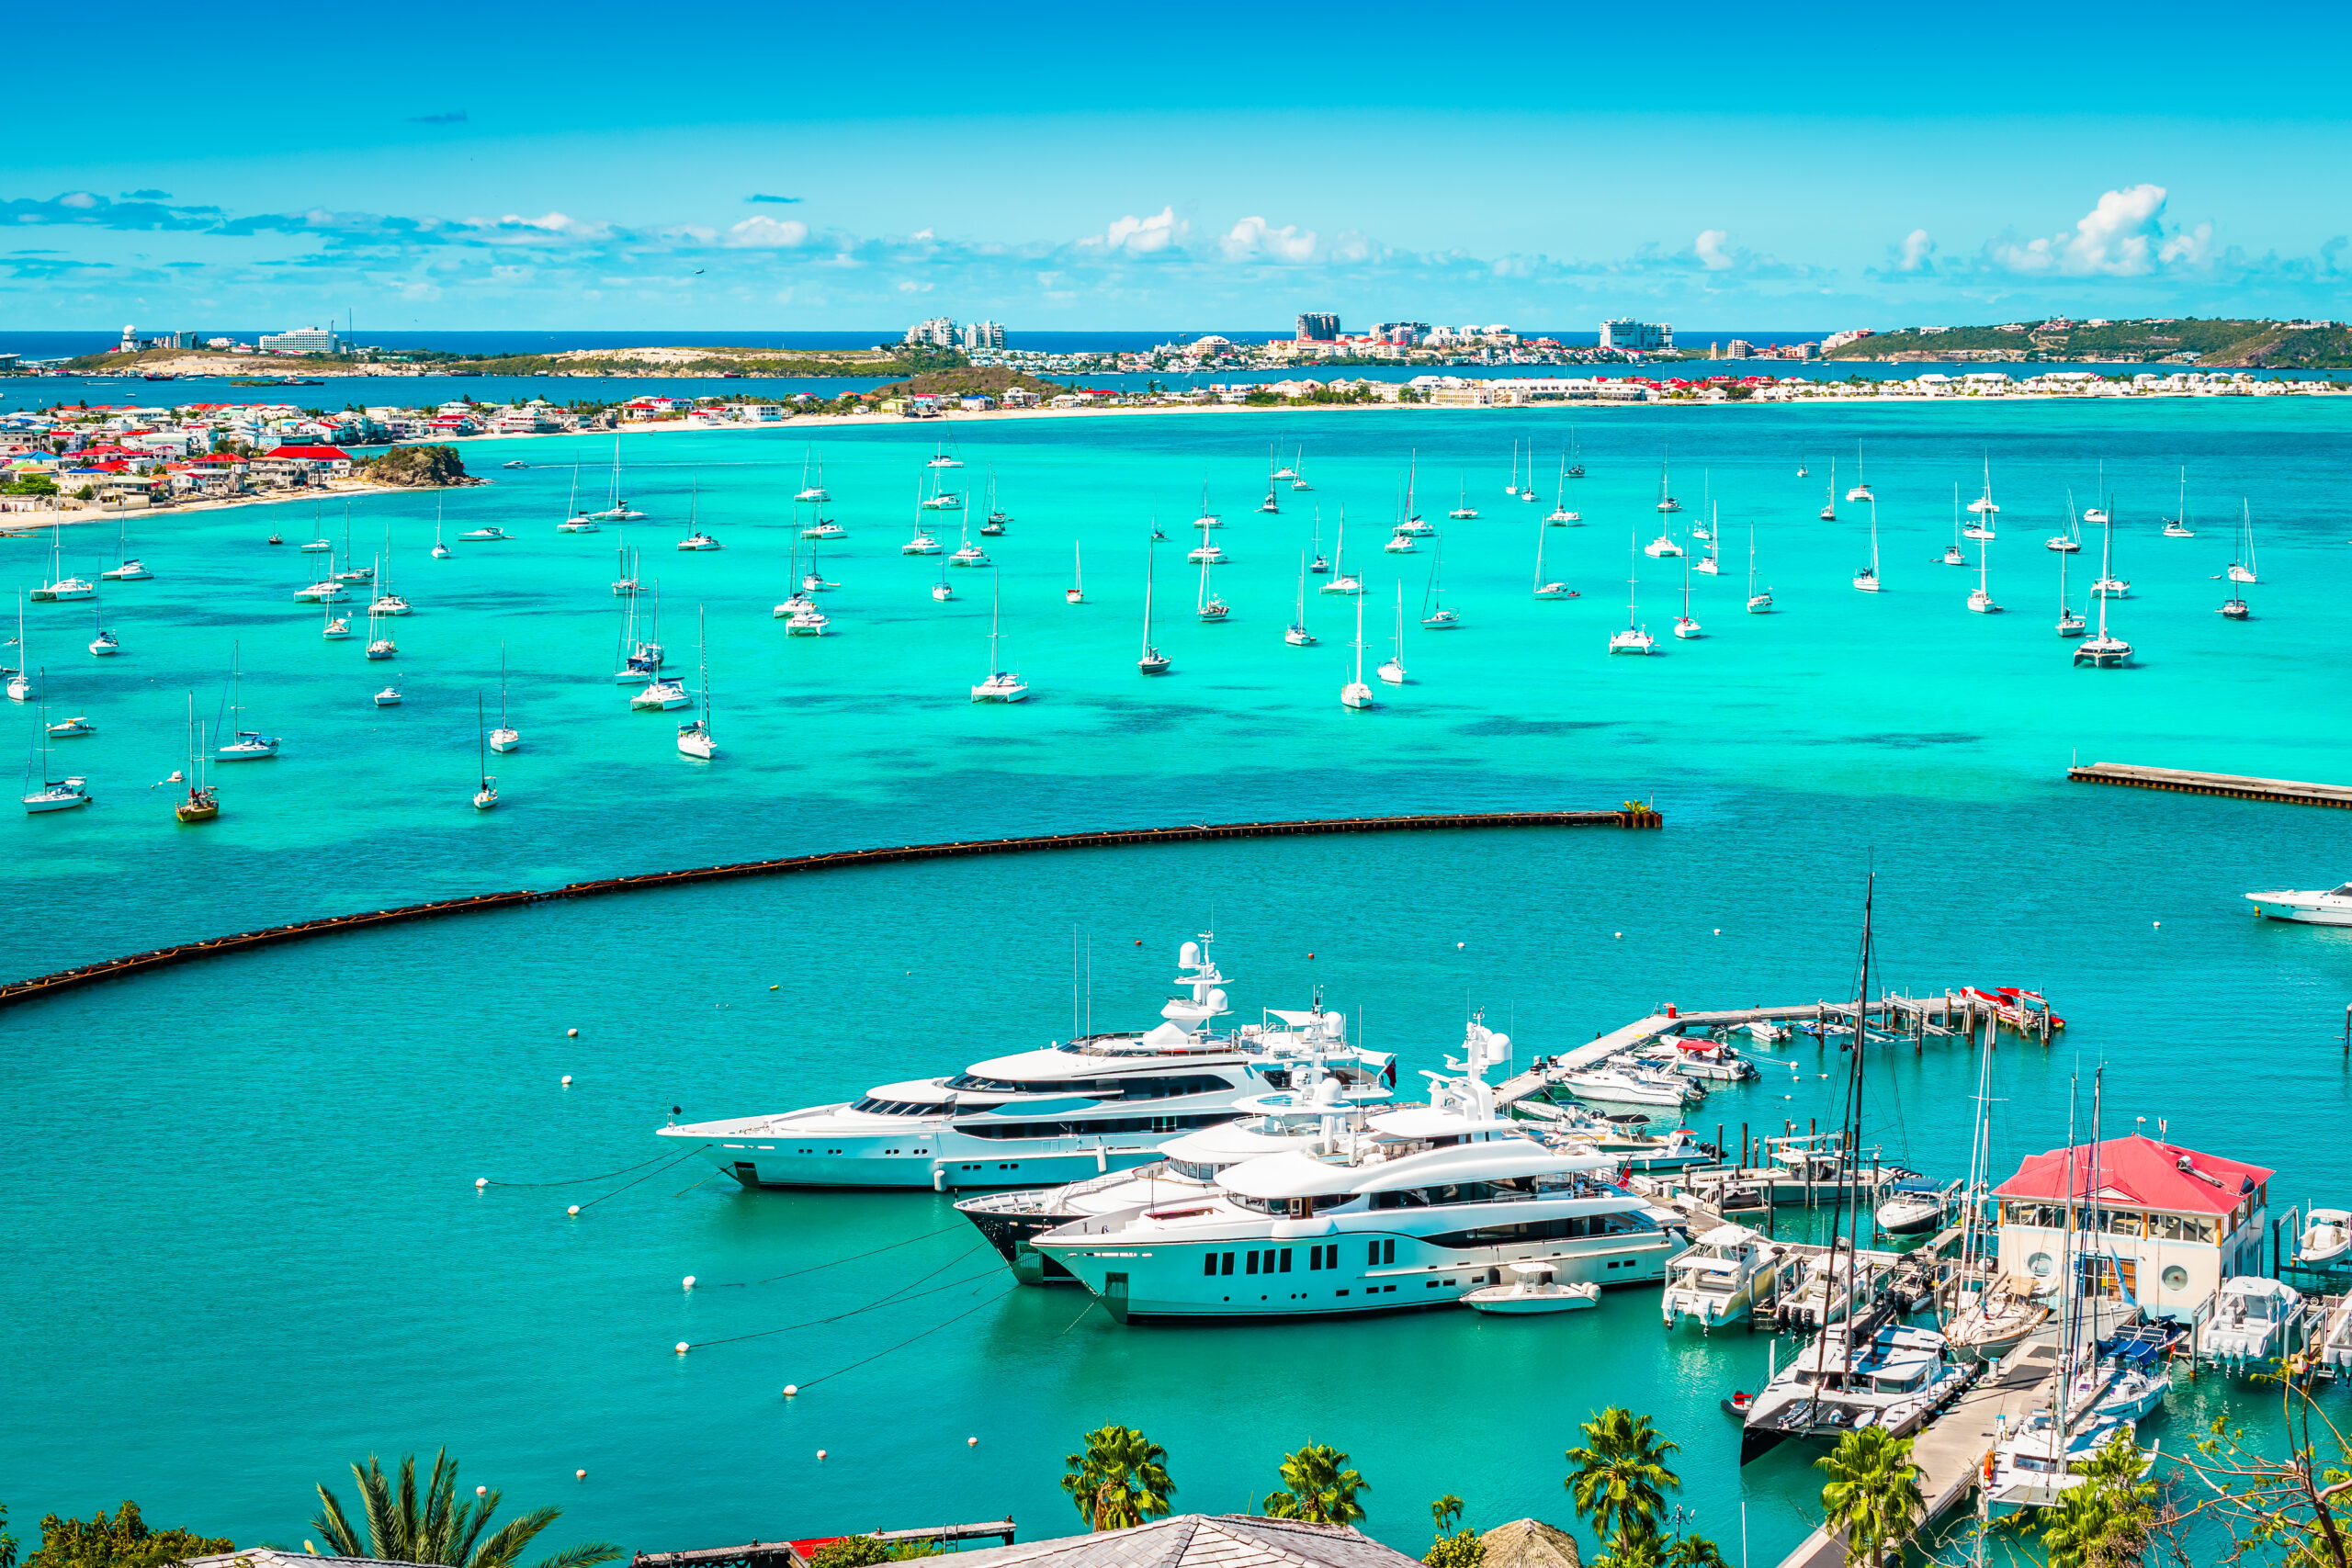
1874	1496
1620	1479
1446	1511
1318	1489
438	1528
2105	1520
1120	1481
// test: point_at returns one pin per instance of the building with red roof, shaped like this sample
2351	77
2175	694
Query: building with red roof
2156	1222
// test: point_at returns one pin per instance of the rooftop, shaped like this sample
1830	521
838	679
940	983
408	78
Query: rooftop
2138	1172
1197	1540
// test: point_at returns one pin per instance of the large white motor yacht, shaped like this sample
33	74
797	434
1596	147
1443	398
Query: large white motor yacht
1099	1103
1427	1205
2331	908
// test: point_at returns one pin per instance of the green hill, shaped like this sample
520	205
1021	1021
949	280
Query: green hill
2220	343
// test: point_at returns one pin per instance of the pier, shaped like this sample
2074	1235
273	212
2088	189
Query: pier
1631	813
2182	780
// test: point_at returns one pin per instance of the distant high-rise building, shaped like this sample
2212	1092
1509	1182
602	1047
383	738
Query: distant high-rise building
1740	348
1406	332
302	340
1643	337
938	331
1318	326
983	335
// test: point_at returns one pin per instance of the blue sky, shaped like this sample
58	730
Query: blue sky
1059	167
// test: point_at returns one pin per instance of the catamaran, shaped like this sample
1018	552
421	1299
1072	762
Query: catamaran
128	568
1354	693
1002	685
1635	637
1862	489
60	585
1297	634
693	736
1560	517
505	737
616	510
2104	651
1463	512
1866	580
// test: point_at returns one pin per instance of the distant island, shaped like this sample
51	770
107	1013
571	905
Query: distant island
2187	340
902	360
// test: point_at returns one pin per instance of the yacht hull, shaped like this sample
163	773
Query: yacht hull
771	1153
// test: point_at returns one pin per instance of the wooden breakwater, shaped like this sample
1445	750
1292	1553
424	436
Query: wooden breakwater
1630	815
2239	786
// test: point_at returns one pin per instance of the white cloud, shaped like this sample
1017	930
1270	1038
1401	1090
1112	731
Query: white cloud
1712	256
2124	236
767	233
1253	239
1140	236
1918	252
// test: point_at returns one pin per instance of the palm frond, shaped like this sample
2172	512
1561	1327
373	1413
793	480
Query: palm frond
586	1555
507	1543
332	1527
384	1533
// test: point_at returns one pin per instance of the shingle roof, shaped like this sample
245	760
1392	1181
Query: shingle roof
1529	1543
271	1557
1198	1541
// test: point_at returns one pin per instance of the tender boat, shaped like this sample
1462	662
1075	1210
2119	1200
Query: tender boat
1532	1290
1624	1081
66	728
2328	1237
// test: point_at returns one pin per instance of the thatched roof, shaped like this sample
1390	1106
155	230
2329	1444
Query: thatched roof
1529	1543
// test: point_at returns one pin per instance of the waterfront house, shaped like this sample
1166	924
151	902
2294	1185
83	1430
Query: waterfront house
2161	1224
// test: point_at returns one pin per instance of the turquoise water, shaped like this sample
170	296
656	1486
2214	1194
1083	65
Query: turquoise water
247	1243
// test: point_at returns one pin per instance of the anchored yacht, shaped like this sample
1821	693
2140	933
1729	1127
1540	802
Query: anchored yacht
1096	1103
1866	1373
2331	906
1424	1207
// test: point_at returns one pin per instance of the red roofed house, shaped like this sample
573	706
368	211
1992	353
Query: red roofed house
2162	1224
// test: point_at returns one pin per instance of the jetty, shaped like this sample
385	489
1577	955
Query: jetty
2184	780
1632	814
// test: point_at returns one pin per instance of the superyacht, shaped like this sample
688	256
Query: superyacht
1097	1103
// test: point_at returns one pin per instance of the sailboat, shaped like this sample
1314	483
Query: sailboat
486	795
2242	569
1830	506
940	498
1635	637
618	511
1684	626
2069	623
941	459
940	590
1512	487
126	568
2176	526
440	550
693	736
50	795
390	697
203	802
1151	662
1393	671
1758	603
696	539
1701	529
1560	517
246	745
1002	685
814	490
578	522
1985	512
2104	651
2108	585
1356	693
387	603
1298	471
1271	503
103	643
1342	581
1209	606
380	636
1952	553
1297	634
334	628
1546	588
641	659
1980	598
1802	469
1462	511
1861	491
1434	614
1575	456
1664	546
998	519
1208	519
1076	592
1866	580
1666	501
1711	564
60	585
505	737
1318	565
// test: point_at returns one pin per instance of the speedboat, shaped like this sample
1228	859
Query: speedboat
1622	1081
2332	907
1864	1372
66	727
1076	1109
2251	1321
318	546
514	463
2328	1237
484	535
1533	1291
1908	1207
1428	1206
1718	1279
659	694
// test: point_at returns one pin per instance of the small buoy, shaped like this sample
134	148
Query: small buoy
571	1034
690	1282
821	1454
1310	955
481	1491
480	1182
1621	936
1719	930
1138	941
772	988
2160	925
567	1081
971	1442
1457	947
579	1475
573	1210
683	1346
790	1389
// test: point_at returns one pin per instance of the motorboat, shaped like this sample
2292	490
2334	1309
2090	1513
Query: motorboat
661	694
1831	1286
1696	1056
2331	908
1097	1102
484	535
2252	1319
1624	1081
390	697
1866	1372
1910	1206
1718	1279
1425	1206
2325	1238
318	546
1533	1291
66	728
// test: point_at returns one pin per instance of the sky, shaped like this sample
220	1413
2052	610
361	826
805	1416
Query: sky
1057	167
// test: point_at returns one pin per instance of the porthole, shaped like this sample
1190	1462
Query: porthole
2175	1278
2041	1264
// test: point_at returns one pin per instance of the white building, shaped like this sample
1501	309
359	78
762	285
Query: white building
302	340
939	332
983	335
1629	335
2161	1224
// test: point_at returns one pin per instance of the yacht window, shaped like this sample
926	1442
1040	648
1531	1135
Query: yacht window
1253	1267
1195	1169
1286	1267
1163	1089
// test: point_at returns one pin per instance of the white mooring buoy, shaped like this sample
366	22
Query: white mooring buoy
971	1442
820	1455
571	1034
567	1081
683	1347
480	1182
790	1389
579	1475
690	1282
573	1210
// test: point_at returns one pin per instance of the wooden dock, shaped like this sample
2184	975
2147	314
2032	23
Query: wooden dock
1632	813
1950	1449
2183	781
